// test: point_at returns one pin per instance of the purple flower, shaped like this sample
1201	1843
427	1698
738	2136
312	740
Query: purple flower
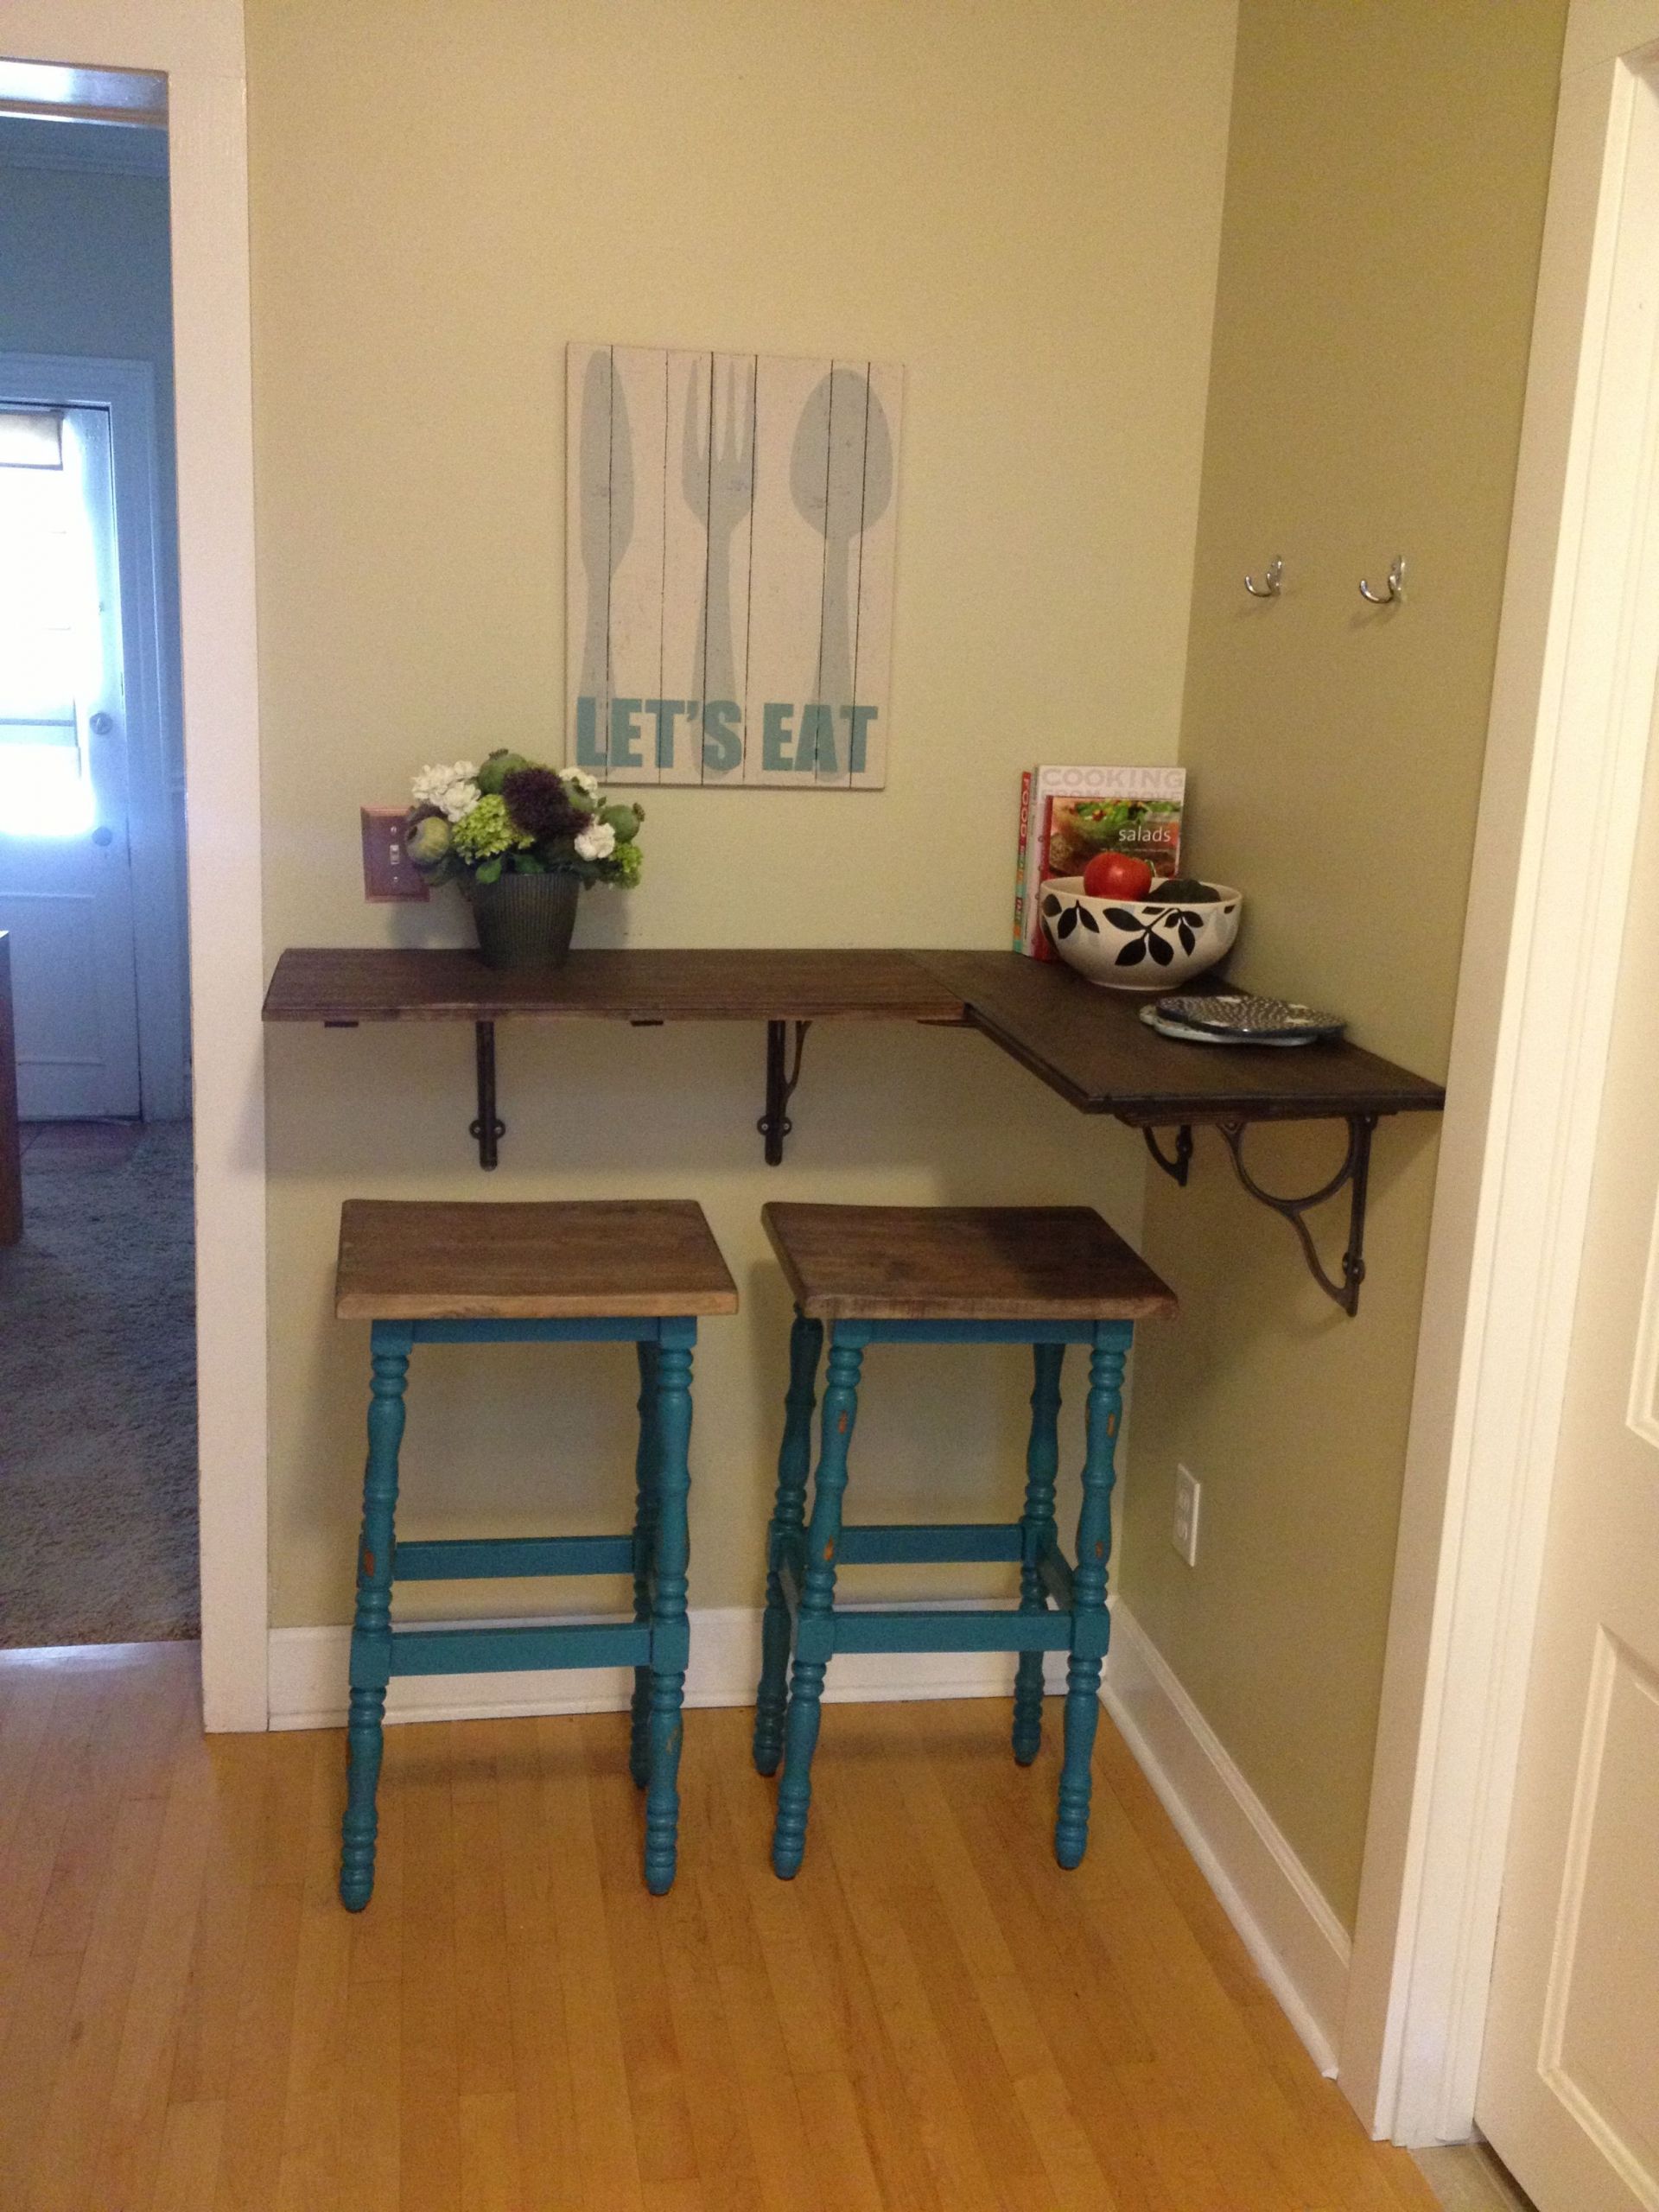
540	805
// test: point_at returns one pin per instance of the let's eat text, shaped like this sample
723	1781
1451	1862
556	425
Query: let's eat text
810	739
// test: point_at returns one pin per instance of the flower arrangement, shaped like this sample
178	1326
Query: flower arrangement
513	816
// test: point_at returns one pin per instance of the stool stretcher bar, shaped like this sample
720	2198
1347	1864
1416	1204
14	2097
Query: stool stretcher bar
818	1636
897	1544
1054	1573
480	1559
505	1650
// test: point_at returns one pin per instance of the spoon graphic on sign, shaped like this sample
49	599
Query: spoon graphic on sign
840	478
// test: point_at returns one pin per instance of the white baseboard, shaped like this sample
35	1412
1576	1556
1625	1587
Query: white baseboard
308	1687
1300	1948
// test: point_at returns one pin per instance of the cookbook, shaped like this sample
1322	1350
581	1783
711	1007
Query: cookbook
1067	815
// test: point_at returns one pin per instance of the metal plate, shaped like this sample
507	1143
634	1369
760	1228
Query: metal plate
1183	1035
1244	1017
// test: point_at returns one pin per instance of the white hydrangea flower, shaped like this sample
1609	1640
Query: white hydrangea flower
597	842
449	786
459	798
587	784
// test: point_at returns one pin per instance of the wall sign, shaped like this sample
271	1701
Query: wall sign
730	566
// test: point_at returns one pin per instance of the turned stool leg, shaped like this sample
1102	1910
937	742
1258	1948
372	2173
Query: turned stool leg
1036	1530
1088	1594
670	1634
818	1598
645	1537
784	1539
371	1668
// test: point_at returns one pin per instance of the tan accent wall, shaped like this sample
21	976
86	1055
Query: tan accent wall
1021	204
1386	179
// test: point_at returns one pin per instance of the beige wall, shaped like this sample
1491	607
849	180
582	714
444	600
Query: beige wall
1385	192
1023	205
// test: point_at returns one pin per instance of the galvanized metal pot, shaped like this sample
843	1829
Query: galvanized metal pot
526	921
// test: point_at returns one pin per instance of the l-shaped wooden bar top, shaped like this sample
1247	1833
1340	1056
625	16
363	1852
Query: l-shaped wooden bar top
1087	1044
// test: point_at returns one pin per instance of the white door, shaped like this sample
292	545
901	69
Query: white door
66	885
1569	2084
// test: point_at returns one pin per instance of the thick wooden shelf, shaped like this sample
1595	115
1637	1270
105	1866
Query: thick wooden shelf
1092	1047
360	984
1089	1045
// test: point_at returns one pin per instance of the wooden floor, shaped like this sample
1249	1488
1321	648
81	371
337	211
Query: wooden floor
932	2017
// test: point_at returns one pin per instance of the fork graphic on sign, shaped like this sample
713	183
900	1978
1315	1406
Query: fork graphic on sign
731	525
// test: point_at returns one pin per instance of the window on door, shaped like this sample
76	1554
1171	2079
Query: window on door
58	609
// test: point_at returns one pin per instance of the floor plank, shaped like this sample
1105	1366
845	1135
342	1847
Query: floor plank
931	2016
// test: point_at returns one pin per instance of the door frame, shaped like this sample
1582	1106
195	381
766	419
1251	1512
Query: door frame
198	46
1578	659
127	391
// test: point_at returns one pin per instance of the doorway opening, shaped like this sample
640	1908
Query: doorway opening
98	1522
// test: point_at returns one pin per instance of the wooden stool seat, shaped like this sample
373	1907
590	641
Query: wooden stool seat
970	1263
868	1276
637	1272
427	1260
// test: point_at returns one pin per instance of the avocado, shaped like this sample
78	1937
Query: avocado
1186	890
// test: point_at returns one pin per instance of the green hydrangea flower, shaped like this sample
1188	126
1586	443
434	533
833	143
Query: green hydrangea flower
487	829
626	862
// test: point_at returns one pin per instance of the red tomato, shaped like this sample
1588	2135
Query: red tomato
1116	875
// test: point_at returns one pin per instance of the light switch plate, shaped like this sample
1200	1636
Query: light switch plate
389	874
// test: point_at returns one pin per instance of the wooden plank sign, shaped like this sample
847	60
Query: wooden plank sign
731	522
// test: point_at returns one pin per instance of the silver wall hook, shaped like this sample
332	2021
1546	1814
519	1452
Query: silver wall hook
1271	584
1396	584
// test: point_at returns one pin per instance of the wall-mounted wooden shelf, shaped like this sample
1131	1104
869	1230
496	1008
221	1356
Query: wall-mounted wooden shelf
1087	1044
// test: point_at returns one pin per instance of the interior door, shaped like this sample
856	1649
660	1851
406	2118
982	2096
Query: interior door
66	888
1569	2086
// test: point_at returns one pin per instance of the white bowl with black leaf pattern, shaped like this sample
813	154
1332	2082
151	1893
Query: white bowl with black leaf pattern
1138	944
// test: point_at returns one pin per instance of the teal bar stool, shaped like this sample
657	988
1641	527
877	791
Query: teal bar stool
1047	1276
602	1272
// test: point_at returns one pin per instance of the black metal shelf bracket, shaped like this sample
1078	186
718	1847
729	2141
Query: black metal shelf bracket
488	1128
1178	1168
774	1124
783	1073
1355	1174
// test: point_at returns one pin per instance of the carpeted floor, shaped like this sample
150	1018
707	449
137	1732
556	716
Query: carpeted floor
98	1390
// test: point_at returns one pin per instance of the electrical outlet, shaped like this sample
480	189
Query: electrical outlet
1185	1535
388	871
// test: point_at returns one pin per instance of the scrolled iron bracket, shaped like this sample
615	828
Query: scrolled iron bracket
1178	1168
774	1124
1354	1173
